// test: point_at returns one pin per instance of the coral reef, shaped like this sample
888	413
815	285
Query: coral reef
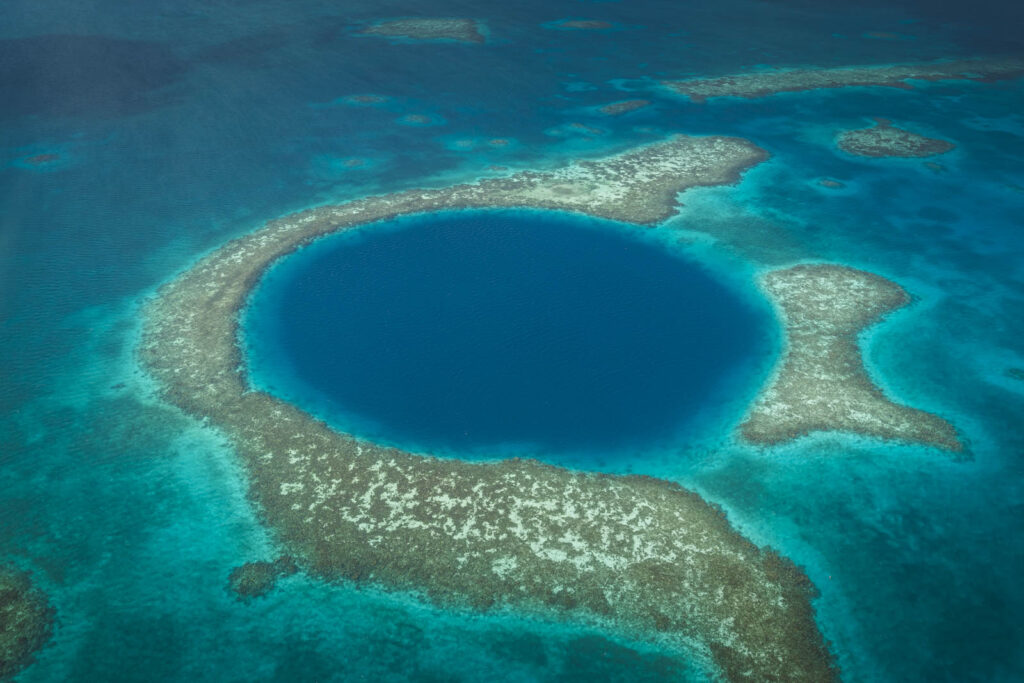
885	140
254	579
821	383
460	30
764	83
26	621
634	554
583	25
616	108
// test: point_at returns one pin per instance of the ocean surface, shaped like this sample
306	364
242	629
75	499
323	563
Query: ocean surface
136	137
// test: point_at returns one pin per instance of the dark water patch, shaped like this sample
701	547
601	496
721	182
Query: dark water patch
503	332
251	51
65	75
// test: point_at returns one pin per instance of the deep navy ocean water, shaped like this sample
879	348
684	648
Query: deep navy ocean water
134	137
506	333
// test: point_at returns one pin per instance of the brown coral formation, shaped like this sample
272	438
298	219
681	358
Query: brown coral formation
585	24
26	622
638	555
886	140
255	579
821	383
460	30
617	108
764	83
42	159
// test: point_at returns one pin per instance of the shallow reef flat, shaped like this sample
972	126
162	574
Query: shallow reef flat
26	621
640	556
886	140
461	30
821	383
764	83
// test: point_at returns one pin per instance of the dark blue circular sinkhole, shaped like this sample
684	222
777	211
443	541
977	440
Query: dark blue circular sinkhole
504	333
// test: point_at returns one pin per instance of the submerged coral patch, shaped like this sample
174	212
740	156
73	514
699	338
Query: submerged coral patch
255	579
617	108
580	25
770	82
886	140
459	30
26	621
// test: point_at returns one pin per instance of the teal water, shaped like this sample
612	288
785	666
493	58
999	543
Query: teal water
499	333
177	126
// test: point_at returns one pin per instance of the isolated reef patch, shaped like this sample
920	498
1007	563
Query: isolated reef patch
886	140
461	30
580	25
255	579
26	621
1015	373
638	555
821	383
616	108
764	83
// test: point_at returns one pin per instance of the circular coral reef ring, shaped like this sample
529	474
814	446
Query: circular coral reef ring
26	621
640	556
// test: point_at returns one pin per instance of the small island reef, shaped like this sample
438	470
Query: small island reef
884	140
821	383
755	84
639	556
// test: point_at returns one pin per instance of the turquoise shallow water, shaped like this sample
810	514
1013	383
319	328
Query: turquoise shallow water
509	333
198	122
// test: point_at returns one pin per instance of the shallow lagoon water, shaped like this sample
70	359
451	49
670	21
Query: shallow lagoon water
498	333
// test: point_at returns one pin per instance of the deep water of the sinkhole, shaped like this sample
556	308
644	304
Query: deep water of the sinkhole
499	333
